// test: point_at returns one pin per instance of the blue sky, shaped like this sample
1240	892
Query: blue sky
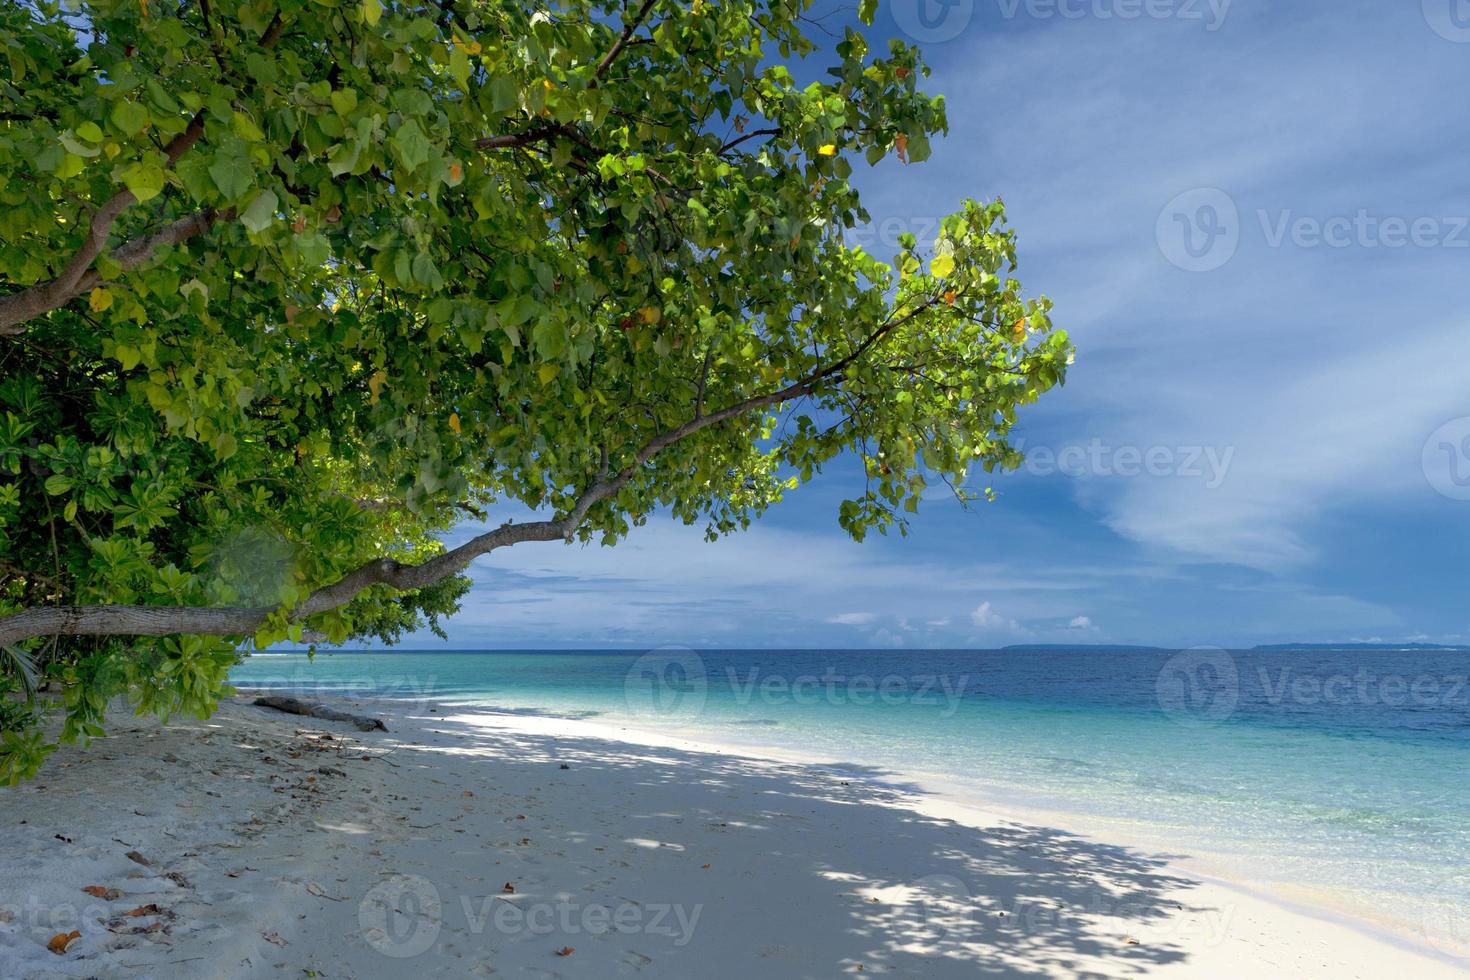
1266	435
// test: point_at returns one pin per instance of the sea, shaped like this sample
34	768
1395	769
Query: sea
1333	778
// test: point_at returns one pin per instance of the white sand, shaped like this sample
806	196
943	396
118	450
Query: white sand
276	852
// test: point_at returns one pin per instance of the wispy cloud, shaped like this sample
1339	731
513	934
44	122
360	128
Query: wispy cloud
1321	370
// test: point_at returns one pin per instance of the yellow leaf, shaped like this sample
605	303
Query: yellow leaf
372	11
547	372
827	149
376	383
651	314
100	299
454	422
143	6
941	265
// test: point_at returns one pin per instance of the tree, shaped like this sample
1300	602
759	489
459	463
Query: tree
287	287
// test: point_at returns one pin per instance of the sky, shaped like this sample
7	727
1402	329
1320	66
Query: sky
1254	220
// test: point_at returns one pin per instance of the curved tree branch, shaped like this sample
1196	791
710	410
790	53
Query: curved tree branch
622	41
118	620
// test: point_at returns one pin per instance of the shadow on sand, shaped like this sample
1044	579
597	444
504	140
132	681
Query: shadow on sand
804	872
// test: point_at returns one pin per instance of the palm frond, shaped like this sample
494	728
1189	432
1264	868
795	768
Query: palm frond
17	663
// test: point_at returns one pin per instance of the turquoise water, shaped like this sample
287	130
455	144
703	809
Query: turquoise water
1338	775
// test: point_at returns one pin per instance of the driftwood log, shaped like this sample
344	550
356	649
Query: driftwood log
295	706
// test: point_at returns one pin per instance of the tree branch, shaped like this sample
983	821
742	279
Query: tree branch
753	134
18	308
621	43
117	620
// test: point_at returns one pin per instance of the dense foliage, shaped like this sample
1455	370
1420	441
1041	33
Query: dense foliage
289	286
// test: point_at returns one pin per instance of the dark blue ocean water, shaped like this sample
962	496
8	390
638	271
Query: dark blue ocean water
1340	776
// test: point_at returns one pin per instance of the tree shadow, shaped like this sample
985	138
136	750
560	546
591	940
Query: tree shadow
849	878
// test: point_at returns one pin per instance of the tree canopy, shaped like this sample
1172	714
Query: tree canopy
289	287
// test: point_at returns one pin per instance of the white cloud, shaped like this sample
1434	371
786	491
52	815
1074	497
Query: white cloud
1081	623
852	618
1309	362
986	618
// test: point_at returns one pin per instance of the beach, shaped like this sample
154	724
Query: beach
465	842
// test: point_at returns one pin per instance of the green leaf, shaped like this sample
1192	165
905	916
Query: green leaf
412	145
75	145
245	128
129	117
144	178
232	173
261	212
459	66
504	95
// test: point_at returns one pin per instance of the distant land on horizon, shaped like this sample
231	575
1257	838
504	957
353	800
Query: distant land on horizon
1012	648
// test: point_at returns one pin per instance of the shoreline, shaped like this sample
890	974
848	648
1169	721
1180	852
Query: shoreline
279	844
941	794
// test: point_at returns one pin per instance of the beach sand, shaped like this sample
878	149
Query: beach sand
467	844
